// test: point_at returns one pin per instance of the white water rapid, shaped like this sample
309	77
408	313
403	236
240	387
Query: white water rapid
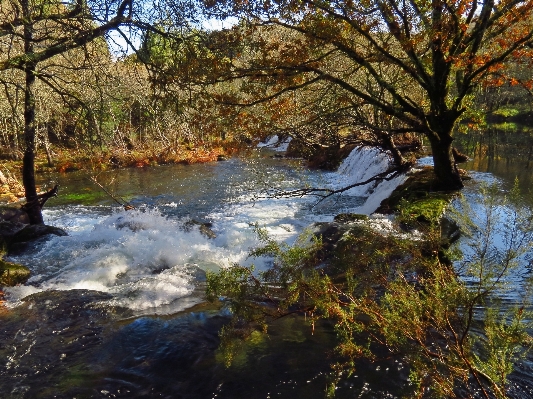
148	258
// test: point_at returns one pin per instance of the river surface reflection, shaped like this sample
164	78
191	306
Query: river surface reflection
504	151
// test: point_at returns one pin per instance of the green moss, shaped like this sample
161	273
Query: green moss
415	201
506	112
507	126
12	274
85	198
425	210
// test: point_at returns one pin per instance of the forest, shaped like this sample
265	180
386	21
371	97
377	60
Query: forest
100	85
329	76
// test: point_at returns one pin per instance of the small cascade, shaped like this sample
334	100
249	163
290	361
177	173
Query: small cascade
362	164
274	143
142	258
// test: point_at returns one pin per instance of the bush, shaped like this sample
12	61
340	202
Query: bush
399	293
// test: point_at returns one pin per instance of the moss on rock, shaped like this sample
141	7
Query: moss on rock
424	210
415	201
12	274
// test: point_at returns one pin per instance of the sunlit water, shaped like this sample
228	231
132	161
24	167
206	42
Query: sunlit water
149	257
118	309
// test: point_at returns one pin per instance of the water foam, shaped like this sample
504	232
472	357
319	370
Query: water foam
362	164
141	257
147	260
274	143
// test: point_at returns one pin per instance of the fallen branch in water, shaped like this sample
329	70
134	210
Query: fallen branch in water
324	193
123	203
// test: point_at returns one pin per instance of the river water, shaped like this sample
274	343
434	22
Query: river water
115	309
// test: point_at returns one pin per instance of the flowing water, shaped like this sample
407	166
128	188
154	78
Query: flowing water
115	309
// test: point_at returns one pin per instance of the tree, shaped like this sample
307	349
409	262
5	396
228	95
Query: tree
415	61
34	32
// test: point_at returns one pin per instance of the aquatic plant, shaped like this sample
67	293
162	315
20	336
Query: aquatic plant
385	291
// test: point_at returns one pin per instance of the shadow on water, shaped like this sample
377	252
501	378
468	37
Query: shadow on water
66	345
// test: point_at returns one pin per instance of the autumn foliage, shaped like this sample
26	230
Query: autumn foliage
388	67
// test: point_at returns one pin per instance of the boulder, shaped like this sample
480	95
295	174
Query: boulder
14	214
20	241
326	158
204	227
350	217
32	232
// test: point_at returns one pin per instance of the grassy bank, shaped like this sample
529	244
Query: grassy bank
65	160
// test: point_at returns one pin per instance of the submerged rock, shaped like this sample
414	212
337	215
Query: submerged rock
350	217
204	227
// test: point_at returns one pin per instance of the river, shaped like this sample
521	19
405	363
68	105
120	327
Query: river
115	309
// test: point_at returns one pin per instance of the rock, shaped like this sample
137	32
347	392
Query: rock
326	158
32	232
450	232
350	217
7	232
15	232
204	227
8	228
331	234
14	214
336	239
20	241
135	226
12	274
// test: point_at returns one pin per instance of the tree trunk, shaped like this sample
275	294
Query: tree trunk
28	162
388	144
446	172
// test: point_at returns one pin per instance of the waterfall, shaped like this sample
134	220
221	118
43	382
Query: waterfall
362	164
274	143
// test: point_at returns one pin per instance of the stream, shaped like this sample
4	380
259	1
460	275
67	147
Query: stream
115	309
